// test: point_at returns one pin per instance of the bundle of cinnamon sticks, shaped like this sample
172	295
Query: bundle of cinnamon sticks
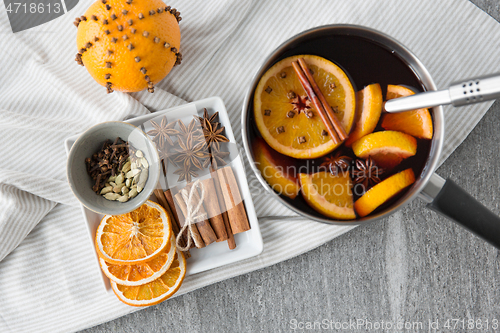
332	124
222	205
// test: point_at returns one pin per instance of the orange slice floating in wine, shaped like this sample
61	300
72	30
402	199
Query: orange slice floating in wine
387	148
383	191
328	194
417	123
285	117
368	108
278	170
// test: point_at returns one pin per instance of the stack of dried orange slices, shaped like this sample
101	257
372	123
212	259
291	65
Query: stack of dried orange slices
137	252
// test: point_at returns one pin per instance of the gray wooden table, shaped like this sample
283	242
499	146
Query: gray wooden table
424	269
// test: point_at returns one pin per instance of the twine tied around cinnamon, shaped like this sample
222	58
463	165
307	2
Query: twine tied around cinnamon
193	214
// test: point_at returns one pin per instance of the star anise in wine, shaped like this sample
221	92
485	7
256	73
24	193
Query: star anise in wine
301	103
161	132
367	172
337	163
191	154
212	131
216	158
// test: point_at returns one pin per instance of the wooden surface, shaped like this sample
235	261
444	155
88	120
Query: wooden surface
411	268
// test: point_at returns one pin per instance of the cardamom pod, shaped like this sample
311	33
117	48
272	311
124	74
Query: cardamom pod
106	189
126	167
132	173
139	154
125	190
111	196
133	192
123	198
144	163
142	180
119	179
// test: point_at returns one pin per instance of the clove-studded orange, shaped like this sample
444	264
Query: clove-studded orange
129	45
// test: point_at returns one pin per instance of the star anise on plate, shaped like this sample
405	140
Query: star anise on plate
367	172
185	174
211	119
216	158
191	130
191	154
161	132
166	154
212	131
337	163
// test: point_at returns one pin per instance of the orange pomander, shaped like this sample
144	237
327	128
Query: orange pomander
128	45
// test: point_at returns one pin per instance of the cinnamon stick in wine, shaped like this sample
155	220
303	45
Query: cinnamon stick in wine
317	103
198	240
232	198
213	210
230	241
331	115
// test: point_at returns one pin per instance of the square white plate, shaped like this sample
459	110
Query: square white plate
248	244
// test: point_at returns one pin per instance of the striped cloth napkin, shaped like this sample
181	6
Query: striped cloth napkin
49	280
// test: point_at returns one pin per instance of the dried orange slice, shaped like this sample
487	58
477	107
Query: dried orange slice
135	237
155	291
387	148
383	191
285	117
135	275
330	195
277	170
368	108
416	122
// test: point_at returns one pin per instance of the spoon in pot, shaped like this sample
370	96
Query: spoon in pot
484	88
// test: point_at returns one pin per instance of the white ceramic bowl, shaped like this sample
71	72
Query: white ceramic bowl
90	142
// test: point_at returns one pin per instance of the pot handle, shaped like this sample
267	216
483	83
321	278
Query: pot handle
451	201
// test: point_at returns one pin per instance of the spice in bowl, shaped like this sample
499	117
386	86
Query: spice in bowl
119	170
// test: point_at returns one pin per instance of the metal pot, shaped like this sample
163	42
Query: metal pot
443	196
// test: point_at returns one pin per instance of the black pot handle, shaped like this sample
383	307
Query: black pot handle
456	204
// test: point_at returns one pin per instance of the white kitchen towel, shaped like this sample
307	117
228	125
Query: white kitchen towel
48	275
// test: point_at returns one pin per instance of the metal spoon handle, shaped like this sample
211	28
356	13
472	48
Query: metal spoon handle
480	89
